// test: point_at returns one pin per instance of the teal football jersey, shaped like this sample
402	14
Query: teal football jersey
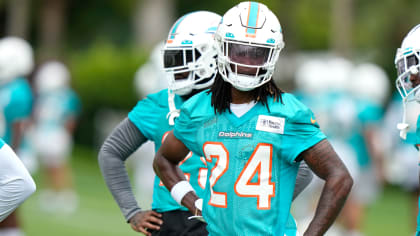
54	109
15	105
417	146
418	133
368	114
251	161
150	117
1	143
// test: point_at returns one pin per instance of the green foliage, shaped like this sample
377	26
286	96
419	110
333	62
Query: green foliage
103	75
311	22
91	21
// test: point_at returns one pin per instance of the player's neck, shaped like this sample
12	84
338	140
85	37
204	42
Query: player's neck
240	97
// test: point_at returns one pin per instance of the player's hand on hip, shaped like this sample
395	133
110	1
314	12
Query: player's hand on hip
144	220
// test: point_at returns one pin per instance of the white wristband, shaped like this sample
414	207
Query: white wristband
180	189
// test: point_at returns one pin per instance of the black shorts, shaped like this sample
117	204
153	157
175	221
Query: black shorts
176	223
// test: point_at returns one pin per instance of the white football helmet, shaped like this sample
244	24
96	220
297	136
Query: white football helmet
407	62
249	38
189	54
339	73
16	58
52	76
311	76
369	81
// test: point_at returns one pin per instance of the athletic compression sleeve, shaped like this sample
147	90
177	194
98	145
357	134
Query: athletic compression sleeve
303	178
16	184
119	145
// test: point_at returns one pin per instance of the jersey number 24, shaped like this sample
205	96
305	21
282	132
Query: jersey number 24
260	163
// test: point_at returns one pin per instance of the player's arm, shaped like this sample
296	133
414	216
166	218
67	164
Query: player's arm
18	129
326	164
71	124
166	167
16	183
375	150
119	145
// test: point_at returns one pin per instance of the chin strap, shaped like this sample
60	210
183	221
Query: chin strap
403	127
173	112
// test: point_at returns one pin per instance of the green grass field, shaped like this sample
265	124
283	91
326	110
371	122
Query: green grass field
98	214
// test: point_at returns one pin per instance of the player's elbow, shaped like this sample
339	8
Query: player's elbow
158	163
20	188
102	154
29	187
344	182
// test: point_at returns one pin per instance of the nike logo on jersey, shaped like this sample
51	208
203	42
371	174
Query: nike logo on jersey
313	121
223	134
270	124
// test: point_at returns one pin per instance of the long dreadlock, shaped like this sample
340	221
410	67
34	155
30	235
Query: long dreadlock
221	95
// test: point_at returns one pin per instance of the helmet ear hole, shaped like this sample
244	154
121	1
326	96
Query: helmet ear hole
414	70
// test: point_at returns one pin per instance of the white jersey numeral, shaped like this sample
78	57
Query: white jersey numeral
260	163
217	151
202	174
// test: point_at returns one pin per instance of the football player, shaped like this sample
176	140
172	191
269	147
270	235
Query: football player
16	184
407	62
189	61
253	137
55	116
16	61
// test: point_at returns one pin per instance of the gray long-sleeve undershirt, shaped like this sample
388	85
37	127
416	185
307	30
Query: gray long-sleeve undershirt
126	139
118	146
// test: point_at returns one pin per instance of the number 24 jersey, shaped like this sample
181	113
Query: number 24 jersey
250	161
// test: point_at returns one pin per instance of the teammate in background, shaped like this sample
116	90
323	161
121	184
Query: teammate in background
16	184
401	158
407	62
56	110
368	86
322	86
189	60
253	137
16	61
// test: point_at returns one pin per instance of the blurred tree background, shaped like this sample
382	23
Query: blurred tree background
105	42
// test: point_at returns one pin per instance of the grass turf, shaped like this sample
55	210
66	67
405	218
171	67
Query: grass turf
98	214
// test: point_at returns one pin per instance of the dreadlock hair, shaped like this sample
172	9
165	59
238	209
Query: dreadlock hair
221	95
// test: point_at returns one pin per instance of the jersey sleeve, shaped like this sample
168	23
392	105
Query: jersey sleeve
370	113
418	133
20	106
186	131
301	132
144	117
74	105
